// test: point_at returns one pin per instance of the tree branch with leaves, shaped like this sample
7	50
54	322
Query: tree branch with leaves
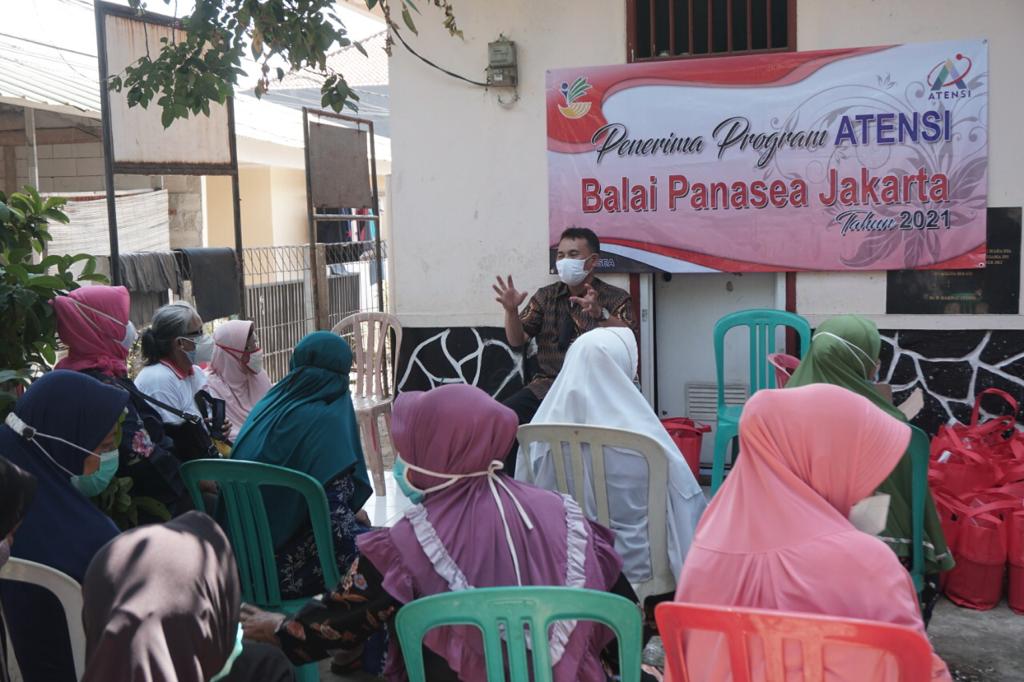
202	64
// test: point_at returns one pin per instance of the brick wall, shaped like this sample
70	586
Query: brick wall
79	168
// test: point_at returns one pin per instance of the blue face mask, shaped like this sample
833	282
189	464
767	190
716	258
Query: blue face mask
401	473
235	653
95	483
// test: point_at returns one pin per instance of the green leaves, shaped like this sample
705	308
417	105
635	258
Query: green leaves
203	67
28	335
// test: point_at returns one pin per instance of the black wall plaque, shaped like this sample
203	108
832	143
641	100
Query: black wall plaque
994	289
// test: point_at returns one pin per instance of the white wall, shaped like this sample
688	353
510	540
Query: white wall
469	177
825	24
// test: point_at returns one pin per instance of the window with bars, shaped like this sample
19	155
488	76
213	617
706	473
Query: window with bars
664	29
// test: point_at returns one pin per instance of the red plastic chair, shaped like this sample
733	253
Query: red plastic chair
784	366
907	647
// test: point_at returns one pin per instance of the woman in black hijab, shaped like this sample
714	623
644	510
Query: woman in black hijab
161	604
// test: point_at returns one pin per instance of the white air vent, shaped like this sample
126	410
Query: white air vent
702	400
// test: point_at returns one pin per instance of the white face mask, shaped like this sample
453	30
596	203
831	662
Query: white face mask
130	333
871	514
203	351
572	271
255	363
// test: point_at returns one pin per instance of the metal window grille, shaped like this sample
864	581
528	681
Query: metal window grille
660	29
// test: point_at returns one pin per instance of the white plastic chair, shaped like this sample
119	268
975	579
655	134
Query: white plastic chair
368	334
66	589
557	436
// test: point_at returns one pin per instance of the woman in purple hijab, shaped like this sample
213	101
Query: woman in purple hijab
471	526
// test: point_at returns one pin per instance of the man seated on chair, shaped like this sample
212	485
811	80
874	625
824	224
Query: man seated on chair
558	314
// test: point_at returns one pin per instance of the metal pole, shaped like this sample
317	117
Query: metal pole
108	144
236	200
376	219
314	262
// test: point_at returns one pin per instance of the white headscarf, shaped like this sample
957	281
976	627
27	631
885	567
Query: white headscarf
595	388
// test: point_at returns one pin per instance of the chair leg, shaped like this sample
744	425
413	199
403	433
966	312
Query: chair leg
723	437
377	458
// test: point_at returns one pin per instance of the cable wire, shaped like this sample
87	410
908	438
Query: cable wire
439	68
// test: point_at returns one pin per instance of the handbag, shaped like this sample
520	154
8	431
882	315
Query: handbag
977	480
191	438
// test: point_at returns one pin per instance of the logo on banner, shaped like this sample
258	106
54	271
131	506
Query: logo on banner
574	108
947	79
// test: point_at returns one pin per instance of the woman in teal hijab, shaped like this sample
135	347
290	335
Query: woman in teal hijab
845	352
306	423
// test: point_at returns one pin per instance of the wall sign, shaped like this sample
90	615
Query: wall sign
856	159
992	290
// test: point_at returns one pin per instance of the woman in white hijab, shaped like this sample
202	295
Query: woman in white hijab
595	388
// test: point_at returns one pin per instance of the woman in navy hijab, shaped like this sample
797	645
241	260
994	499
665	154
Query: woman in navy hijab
64	431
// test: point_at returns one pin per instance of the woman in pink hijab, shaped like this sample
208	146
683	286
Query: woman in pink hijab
470	526
777	535
93	323
235	374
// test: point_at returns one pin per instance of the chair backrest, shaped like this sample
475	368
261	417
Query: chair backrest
784	366
920	446
738	626
501	613
573	436
762	323
66	589
368	334
248	527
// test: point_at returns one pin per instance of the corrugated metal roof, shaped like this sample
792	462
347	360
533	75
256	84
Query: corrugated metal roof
48	77
359	70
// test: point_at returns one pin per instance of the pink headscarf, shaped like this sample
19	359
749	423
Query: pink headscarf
93	339
461	429
229	379
777	537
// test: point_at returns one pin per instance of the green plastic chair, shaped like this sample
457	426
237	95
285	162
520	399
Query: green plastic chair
920	446
761	324
248	528
494	610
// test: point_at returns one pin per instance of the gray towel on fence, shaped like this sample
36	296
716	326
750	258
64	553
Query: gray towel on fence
214	276
150	272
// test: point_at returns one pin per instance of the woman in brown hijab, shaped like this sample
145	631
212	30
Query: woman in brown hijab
162	605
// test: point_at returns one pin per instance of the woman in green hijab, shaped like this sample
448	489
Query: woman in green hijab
306	422
845	352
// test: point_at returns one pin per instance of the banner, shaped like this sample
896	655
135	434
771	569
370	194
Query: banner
856	159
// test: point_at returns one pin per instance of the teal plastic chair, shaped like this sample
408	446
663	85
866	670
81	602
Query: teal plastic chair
248	528
920	446
761	324
501	613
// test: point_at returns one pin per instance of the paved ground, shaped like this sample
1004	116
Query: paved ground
979	646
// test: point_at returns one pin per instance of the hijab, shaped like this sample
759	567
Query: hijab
229	379
306	422
844	353
456	539
91	322
161	604
62	529
776	536
17	488
595	387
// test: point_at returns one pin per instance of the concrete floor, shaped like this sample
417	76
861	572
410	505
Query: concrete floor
979	646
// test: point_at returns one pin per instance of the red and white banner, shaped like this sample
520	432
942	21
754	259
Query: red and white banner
856	159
